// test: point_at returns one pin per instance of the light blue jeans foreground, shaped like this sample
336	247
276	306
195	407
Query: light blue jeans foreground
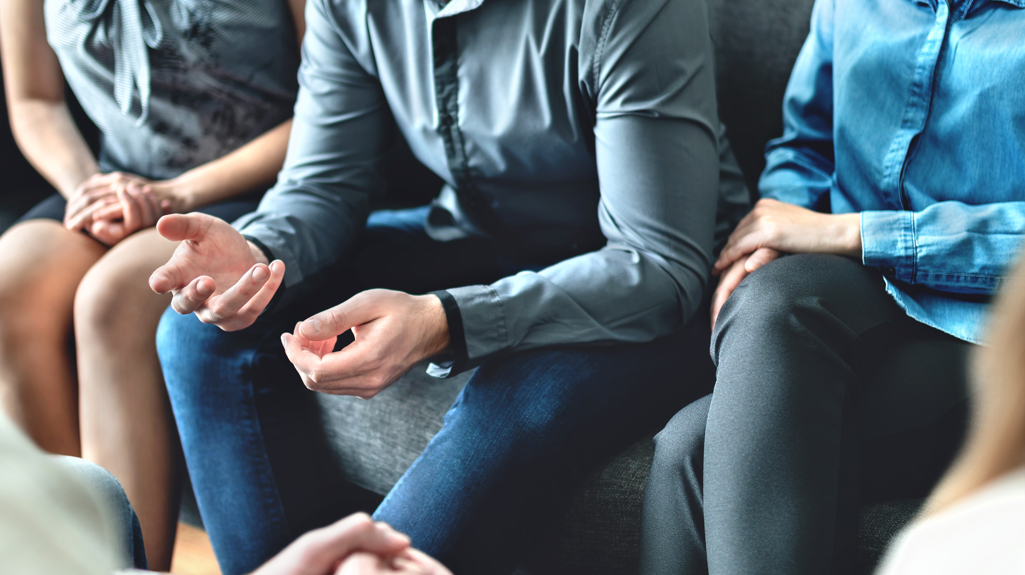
112	496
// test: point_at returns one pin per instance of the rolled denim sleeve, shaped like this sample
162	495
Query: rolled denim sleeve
649	70
340	134
799	165
948	246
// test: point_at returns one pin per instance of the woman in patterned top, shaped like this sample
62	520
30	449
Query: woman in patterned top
193	99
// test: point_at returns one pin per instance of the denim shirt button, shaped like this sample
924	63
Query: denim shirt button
446	120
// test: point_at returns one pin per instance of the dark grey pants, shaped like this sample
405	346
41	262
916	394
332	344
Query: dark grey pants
827	396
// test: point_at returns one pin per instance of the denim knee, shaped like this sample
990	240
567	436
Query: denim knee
112	497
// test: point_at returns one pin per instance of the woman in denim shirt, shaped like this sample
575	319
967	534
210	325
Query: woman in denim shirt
892	206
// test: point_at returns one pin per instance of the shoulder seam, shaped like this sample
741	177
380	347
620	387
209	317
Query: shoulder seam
603	38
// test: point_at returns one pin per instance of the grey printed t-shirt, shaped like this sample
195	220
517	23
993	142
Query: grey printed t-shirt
585	127
173	84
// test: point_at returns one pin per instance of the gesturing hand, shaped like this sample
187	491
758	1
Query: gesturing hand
322	551
393	332
215	272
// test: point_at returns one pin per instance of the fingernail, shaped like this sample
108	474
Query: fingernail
203	288
311	327
275	266
260	274
284	340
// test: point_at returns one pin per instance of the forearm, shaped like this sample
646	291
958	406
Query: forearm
248	168
49	139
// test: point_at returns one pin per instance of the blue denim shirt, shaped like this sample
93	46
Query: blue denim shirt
913	113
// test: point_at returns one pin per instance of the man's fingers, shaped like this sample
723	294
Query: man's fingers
187	300
231	301
250	311
179	227
759	258
357	310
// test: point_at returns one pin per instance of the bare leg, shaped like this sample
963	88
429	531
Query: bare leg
127	425
41	265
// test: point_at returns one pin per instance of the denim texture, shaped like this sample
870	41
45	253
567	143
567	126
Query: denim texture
910	112
523	432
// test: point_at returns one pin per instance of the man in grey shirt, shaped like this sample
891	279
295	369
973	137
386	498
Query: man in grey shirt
580	149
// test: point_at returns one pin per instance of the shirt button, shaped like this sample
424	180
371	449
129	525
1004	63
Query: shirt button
446	120
890	272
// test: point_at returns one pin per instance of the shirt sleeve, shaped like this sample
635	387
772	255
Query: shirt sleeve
948	246
340	135
799	165
651	77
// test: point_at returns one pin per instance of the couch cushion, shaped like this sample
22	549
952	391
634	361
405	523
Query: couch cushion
756	43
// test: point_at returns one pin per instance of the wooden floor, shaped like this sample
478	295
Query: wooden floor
192	553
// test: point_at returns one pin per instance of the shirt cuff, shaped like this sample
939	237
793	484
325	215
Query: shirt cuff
453	360
483	326
888	243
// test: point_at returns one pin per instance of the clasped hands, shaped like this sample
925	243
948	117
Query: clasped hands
355	545
110	207
227	281
773	228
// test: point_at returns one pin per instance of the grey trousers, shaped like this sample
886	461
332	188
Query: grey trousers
827	396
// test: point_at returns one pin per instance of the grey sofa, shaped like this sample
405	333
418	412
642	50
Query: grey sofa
373	442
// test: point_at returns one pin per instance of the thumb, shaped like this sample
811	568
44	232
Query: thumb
357	310
179	227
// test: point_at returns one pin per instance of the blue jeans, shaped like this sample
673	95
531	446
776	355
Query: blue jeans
132	552
520	436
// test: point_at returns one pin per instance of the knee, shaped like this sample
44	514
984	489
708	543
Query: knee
27	315
772	302
182	340
111	301
679	447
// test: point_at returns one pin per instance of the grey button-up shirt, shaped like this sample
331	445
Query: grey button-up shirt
549	121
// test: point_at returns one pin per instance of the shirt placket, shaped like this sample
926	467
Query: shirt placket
446	91
917	110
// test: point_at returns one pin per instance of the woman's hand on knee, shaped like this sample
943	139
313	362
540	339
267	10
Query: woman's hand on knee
788	228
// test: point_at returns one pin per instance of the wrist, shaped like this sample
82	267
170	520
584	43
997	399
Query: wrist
258	254
849	234
181	192
438	337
